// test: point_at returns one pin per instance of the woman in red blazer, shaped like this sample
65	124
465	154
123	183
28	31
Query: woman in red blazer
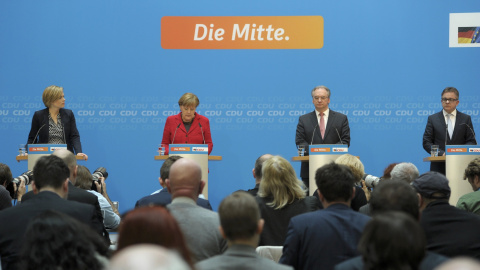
187	126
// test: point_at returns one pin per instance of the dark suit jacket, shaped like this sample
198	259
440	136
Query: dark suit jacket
40	120
164	197
82	196
450	231
308	133
194	134
323	238
276	220
435	134
14	221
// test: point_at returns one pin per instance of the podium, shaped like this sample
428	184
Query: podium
197	152
36	151
456	160
320	154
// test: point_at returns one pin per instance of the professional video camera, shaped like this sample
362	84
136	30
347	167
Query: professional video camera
371	181
96	175
27	177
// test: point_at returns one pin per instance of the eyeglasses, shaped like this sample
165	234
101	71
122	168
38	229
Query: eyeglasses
445	100
322	98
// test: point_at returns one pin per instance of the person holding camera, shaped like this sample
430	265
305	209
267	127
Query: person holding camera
85	180
8	188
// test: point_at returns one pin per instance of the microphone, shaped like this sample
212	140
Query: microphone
313	134
446	136
64	139
175	133
341	142
37	134
471	129
202	132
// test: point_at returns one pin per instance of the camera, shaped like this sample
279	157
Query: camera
96	175
371	181
27	177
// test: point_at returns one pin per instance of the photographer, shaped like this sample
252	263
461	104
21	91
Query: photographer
9	189
111	216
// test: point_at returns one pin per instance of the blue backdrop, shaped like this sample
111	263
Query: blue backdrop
386	63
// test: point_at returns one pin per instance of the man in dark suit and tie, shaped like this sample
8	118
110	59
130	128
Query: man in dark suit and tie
447	126
322	126
163	197
51	189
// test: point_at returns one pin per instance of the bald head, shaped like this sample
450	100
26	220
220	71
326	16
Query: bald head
69	159
147	257
185	179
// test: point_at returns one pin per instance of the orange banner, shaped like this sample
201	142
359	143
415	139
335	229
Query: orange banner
320	150
180	149
38	149
457	150
242	32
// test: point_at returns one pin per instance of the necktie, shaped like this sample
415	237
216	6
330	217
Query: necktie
450	126
322	125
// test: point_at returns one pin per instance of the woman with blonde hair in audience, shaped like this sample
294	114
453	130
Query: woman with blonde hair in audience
281	196
152	225
358	170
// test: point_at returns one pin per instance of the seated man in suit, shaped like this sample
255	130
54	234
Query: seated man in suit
241	225
51	188
322	126
471	202
398	196
450	231
164	197
75	193
448	126
324	238
198	225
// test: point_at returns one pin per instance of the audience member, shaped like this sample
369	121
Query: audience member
281	196
241	225
449	230
387	172
147	257
51	188
152	225
405	171
471	202
358	170
199	225
163	197
56	241
322	239
7	195
75	193
111	216
391	240
395	195
257	173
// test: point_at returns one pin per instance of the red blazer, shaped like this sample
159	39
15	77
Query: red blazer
193	136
